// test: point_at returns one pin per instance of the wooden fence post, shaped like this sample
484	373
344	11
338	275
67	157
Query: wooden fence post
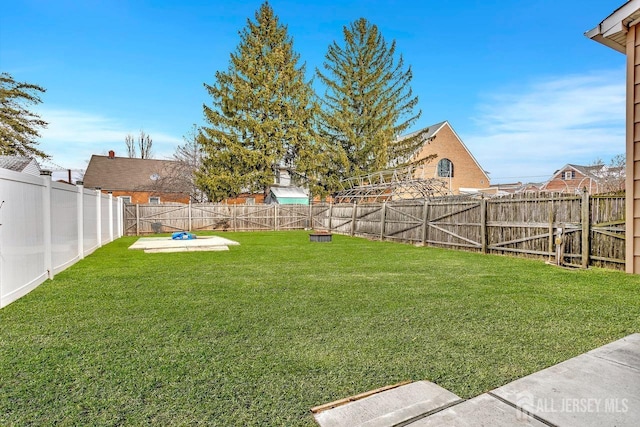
383	220
189	215
483	225
586	229
275	217
425	222
353	218
137	219
330	214
234	216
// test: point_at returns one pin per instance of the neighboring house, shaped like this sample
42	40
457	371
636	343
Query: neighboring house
454	164
594	179
138	180
20	164
284	192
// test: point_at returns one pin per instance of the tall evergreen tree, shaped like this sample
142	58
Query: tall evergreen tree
262	114
368	103
19	127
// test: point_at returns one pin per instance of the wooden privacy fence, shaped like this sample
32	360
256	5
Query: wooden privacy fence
593	227
164	218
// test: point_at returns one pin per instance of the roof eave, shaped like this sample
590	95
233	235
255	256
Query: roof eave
612	30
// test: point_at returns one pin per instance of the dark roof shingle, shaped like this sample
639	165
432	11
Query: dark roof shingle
129	174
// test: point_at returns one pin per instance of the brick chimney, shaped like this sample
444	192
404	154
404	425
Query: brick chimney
112	154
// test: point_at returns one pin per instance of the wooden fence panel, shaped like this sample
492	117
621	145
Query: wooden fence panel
165	218
342	218
293	217
454	225
404	222
320	215
130	220
254	217
368	219
607	231
209	216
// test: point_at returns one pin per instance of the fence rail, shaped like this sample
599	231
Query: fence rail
593	227
46	227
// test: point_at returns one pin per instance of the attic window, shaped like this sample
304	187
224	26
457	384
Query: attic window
569	175
445	168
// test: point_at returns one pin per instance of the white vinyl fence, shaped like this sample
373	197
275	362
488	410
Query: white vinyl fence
46	227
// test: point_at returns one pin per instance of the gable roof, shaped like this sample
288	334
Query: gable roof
20	164
430	132
127	174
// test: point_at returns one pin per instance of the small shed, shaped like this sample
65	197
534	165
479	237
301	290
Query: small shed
288	196
20	164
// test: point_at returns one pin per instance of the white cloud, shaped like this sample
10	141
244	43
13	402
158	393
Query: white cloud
73	136
528	132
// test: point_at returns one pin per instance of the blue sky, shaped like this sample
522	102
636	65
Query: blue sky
520	83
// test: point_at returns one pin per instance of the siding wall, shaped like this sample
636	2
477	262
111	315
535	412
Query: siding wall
633	151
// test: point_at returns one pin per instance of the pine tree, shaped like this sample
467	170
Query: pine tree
368	103
19	127
262	114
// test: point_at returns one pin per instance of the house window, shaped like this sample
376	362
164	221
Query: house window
126	199
445	168
569	175
154	200
250	201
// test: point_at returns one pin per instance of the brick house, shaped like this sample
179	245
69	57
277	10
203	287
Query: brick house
595	179
454	163
139	180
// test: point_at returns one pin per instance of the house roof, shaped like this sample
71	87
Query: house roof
432	131
612	31
127	174
20	164
288	192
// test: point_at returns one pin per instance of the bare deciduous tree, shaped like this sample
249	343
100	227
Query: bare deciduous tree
189	157
131	146
142	145
611	176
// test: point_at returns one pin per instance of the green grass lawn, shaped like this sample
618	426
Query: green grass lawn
262	333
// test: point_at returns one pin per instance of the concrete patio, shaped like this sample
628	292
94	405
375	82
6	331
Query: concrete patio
598	388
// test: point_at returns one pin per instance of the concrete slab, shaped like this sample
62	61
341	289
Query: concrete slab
598	388
484	410
391	407
625	351
187	249
167	244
